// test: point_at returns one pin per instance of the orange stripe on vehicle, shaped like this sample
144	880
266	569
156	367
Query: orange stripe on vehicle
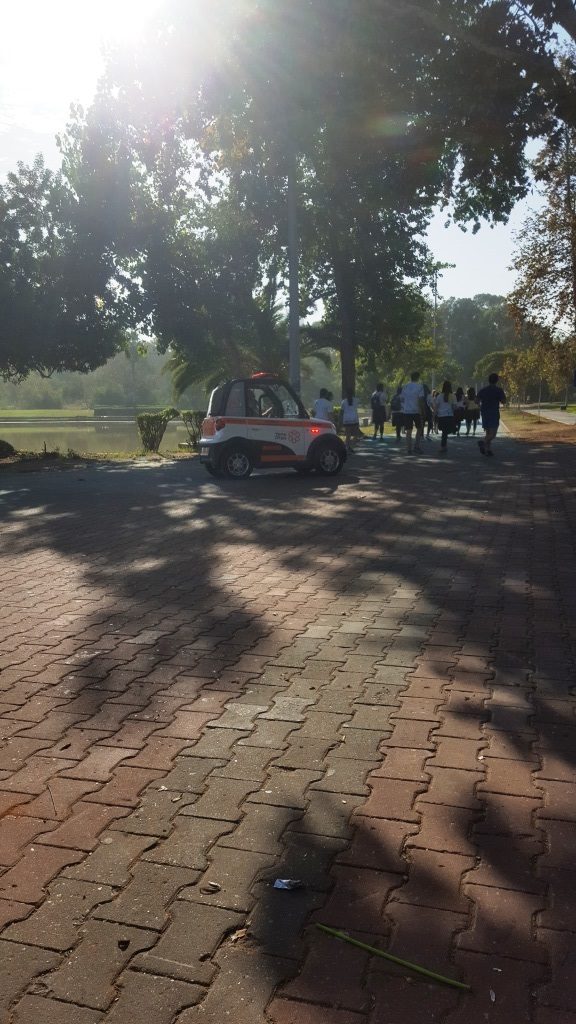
281	458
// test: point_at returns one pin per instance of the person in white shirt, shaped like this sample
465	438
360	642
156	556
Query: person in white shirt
444	406
413	402
323	408
349	417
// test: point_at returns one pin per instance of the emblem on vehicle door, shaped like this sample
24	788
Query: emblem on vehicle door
293	436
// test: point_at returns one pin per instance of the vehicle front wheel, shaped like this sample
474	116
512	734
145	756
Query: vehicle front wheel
236	462
329	459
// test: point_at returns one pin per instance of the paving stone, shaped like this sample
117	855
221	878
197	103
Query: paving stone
400	763
322	725
358	899
507	862
244	985
11	911
247	763
99	764
561	899
58	799
81	830
234	873
328	814
55	925
500	989
154	814
378	843
75	744
111	861
434	880
19	966
308	859
559	989
470	702
185	948
502	923
332	974
424	936
445	829
145	901
159	754
16	833
261	828
216	743
303	753
453	787
55	726
33	1009
162	997
189	842
286	709
284	1011
268	734
508	815
222	799
26	881
285	788
560	837
358	744
456	753
512	777
408	1000
35	775
411	734
344	775
87	976
392	798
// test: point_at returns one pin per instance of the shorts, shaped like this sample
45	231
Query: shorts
412	419
490	422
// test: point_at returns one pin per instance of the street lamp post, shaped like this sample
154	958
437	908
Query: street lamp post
293	267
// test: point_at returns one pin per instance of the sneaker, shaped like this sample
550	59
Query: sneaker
482	447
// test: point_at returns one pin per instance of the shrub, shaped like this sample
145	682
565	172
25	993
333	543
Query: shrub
152	426
193	423
6	450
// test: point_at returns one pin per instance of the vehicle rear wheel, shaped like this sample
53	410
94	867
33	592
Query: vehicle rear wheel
329	459
236	462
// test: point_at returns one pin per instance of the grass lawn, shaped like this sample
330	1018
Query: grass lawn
46	414
525	427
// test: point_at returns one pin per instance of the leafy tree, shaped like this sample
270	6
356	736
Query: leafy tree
545	258
472	328
56	291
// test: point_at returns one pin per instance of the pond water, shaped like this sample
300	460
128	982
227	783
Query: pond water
85	436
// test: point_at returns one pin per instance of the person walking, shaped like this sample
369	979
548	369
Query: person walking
444	406
396	411
459	409
349	418
471	411
413	400
379	416
490	399
323	408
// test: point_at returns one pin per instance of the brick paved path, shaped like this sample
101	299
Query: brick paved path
367	684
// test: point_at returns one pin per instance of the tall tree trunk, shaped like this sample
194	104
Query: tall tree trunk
344	284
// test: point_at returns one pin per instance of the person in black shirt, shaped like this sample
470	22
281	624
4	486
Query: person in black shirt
490	398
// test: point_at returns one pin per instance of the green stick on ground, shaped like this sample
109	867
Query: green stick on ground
395	959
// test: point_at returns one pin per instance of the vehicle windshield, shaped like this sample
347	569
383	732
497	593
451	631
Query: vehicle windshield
273	400
215	403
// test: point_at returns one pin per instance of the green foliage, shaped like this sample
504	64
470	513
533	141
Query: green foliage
56	293
492	362
545	258
152	427
193	423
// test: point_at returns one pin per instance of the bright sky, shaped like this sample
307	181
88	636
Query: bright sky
51	56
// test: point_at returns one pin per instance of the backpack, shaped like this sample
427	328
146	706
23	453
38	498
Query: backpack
375	401
396	403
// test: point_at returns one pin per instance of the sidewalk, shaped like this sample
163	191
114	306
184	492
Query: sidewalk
556	415
365	683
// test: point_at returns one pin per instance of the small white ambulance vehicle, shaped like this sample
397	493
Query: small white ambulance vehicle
259	422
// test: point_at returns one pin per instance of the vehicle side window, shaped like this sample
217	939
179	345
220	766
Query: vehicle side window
289	405
214	406
235	405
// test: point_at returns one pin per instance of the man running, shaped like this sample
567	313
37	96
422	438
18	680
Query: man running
490	398
413	401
